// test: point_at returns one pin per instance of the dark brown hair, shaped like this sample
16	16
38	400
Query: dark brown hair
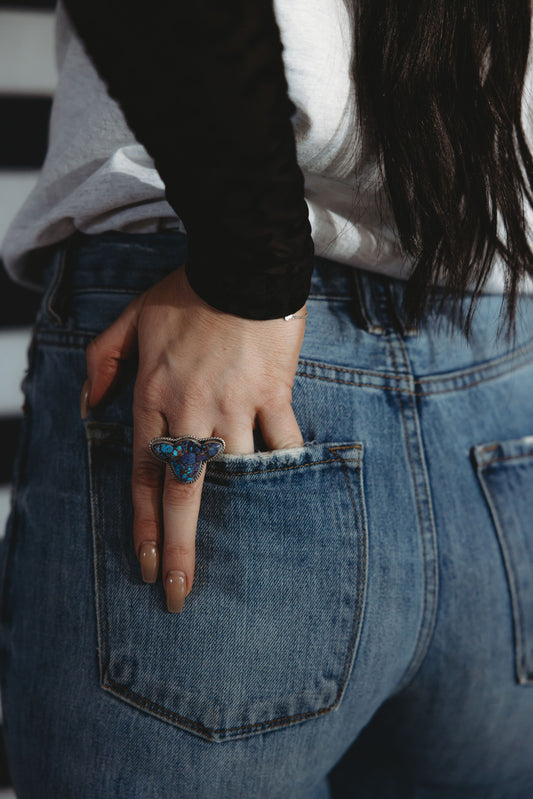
440	87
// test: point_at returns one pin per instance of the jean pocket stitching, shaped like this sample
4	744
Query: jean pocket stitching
350	636
267	470
362	554
486	457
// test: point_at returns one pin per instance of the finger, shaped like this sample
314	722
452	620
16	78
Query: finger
105	354
181	507
279	427
238	437
147	487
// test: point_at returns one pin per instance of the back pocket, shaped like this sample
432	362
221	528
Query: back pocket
270	629
505	471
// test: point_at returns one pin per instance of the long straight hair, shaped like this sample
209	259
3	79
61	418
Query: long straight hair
440	87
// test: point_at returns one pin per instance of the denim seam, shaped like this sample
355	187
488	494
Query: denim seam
355	384
494	363
506	458
348	664
327	297
220	471
456	375
346	369
52	294
523	675
139	701
362	566
424	510
404	390
498	367
418	646
120	290
102	610
427	531
105	290
70	340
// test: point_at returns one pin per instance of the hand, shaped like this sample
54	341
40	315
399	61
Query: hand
201	372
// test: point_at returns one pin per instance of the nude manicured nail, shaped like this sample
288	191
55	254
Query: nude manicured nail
84	399
149	560
176	588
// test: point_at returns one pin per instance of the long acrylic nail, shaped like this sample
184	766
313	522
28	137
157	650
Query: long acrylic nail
149	560
84	399
176	588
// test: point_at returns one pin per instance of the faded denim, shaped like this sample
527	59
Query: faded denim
363	604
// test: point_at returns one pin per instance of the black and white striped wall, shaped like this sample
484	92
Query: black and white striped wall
27	82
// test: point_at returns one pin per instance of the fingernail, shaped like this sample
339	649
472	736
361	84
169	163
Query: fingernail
176	588
84	400
149	560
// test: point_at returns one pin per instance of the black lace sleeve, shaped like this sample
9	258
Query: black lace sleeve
202	85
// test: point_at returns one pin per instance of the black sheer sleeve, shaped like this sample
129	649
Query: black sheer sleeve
202	85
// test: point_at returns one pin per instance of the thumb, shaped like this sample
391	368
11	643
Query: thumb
106	353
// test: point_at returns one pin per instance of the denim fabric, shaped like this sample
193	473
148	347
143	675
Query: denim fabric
362	605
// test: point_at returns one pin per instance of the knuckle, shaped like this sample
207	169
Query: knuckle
144	520
148	393
194	398
233	401
146	528
178	551
277	397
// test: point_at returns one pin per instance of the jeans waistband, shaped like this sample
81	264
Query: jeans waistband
133	262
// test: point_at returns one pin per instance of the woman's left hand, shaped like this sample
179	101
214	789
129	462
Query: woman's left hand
201	372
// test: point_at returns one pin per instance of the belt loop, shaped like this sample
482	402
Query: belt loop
370	302
397	297
359	306
379	304
57	297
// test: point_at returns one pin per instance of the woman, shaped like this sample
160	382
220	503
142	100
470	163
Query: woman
381	570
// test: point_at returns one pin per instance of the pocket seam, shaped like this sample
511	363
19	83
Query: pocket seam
506	458
524	675
114	439
287	468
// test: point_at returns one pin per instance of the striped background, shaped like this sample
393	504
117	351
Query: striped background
27	82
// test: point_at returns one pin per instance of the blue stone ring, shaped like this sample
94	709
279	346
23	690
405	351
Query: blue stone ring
186	455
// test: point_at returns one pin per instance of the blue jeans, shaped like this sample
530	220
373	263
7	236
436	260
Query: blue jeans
362	606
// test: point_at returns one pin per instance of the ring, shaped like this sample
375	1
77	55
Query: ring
186	455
